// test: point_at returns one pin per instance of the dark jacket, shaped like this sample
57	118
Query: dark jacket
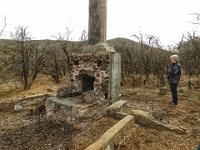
174	73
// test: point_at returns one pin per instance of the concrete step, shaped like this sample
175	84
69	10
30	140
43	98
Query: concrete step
116	107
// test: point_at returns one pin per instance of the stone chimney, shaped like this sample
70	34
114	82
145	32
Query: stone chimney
97	22
96	68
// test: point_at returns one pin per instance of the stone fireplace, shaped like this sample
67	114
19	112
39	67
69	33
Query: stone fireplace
96	69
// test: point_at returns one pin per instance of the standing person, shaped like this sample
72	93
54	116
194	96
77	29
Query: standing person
174	78
198	147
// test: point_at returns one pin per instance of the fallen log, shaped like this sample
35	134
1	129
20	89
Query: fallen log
143	118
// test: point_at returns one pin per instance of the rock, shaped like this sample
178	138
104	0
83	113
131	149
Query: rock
17	107
116	107
49	90
181	91
76	127
143	117
66	91
120	115
89	98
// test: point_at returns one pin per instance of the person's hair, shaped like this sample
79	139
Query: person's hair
175	57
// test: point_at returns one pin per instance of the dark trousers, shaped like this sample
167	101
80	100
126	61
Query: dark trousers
173	87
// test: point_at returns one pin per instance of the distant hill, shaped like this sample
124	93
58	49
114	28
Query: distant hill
117	43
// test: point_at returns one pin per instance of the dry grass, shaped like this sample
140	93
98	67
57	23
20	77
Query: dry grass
186	115
43	84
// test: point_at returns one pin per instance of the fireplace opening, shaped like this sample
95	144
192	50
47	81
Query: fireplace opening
87	83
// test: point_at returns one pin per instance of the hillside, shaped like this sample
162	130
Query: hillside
119	42
116	42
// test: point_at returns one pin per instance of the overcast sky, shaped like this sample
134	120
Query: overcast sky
166	19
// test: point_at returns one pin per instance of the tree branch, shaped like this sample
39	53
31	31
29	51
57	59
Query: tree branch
3	26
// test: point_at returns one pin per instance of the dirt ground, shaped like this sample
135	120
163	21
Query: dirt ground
186	115
20	131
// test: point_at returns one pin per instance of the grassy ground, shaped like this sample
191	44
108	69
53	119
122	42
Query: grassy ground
13	91
185	115
21	131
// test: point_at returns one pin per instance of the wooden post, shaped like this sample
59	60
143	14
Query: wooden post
97	21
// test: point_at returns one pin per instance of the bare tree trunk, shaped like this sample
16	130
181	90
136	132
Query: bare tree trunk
189	83
25	77
3	26
56	77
